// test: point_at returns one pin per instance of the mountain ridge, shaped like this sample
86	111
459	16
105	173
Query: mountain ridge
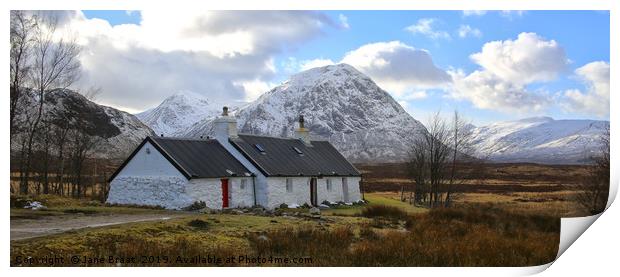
340	104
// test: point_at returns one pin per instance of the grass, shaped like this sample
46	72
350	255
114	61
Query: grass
225	235
384	199
477	235
445	237
59	205
384	211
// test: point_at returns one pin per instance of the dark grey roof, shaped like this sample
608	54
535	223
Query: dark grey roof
280	158
195	158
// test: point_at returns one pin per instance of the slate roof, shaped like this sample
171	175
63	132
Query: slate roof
280	158
194	158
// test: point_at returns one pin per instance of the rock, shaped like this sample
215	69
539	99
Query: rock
34	205
274	221
323	207
315	211
237	211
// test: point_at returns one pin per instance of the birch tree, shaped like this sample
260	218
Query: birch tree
55	65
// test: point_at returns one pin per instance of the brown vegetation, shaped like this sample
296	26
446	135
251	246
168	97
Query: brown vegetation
482	235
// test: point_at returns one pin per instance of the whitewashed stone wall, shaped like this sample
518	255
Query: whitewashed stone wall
165	191
277	193
241	197
149	162
354	189
178	193
300	194
260	181
208	190
333	195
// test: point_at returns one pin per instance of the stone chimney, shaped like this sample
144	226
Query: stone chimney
225	126
302	133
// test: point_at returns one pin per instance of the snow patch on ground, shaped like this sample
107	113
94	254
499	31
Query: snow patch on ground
34	205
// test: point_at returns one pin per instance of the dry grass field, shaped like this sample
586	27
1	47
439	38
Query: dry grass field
508	216
378	234
523	188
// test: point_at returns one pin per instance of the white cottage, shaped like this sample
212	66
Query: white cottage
235	170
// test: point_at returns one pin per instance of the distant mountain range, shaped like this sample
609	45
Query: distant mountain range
540	140
366	124
340	104
177	113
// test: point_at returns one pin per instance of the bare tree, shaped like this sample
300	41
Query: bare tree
595	186
427	165
436	159
460	142
21	41
417	168
83	146
55	65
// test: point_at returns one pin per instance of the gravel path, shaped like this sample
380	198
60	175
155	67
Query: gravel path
31	228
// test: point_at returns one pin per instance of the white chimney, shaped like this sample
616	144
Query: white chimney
225	126
302	133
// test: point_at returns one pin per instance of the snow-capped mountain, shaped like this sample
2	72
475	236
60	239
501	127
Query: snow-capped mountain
178	112
540	139
120	132
339	104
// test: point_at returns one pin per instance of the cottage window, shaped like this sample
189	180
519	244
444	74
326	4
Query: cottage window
243	183
260	148
329	184
289	185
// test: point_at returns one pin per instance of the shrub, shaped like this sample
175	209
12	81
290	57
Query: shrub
198	205
200	224
383	211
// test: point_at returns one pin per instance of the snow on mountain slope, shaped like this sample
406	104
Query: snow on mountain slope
339	104
120	132
540	139
177	113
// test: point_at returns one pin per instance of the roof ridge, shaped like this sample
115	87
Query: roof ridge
184	138
274	137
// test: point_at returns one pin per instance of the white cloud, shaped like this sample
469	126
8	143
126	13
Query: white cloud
508	68
424	26
344	21
307	64
466	30
527	59
511	14
595	100
224	55
487	91
291	65
254	88
474	12
416	95
397	67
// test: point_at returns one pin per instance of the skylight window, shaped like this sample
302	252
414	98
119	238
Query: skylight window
297	150
259	148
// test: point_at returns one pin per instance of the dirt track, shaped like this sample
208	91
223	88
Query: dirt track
31	228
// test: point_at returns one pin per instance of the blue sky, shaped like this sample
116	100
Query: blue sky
570	83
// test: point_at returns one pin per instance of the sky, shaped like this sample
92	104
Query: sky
489	65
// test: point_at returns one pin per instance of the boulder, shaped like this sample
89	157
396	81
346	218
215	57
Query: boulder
315	211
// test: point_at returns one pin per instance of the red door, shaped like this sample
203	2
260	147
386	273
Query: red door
313	196
224	193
